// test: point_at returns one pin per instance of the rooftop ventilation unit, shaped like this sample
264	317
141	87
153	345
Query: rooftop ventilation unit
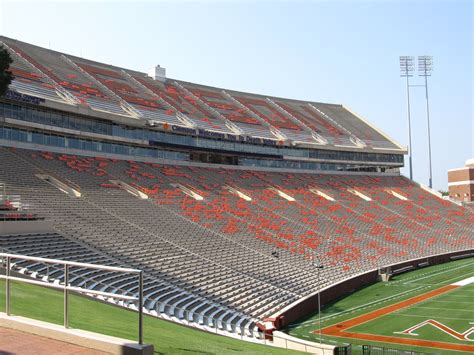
157	73
282	194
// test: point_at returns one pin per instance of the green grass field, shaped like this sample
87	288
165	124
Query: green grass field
454	309
169	338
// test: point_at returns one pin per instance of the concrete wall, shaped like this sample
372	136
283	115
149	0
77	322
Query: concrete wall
285	341
25	227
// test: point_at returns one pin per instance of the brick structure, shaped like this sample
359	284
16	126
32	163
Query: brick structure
461	182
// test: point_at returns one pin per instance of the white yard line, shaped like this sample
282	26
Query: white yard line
464	282
448	280
445	309
456	301
420	316
437	273
470	297
454	278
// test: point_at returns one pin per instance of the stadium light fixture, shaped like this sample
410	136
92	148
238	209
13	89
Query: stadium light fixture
425	67
407	67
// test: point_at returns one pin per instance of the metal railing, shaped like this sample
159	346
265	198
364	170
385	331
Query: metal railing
7	261
379	350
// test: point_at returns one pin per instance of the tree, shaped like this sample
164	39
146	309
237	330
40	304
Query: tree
444	193
6	77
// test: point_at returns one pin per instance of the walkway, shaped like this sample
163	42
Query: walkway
16	342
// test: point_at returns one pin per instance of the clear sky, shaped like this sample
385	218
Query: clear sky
330	51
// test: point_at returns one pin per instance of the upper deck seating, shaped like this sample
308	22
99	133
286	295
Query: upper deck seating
184	104
359	128
221	104
301	111
118	83
254	114
51	64
239	116
29	82
257	116
264	110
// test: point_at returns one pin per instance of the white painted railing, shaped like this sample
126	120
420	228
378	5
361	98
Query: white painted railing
7	259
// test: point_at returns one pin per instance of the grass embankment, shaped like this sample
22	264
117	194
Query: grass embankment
87	314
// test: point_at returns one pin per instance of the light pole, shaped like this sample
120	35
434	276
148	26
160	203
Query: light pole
276	255
406	69
425	67
319	267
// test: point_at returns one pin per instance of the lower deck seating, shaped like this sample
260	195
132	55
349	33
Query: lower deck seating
223	260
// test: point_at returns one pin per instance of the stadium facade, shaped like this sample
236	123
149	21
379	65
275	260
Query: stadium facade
461	183
118	111
226	199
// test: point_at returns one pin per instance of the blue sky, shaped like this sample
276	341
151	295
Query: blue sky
330	51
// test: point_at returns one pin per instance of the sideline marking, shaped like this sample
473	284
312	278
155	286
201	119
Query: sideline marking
444	281
414	278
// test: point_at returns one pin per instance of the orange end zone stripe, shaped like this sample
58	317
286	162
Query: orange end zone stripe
338	330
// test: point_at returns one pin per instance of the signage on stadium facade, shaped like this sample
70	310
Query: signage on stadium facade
179	129
13	95
218	135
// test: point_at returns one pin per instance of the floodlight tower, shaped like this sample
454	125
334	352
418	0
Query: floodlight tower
425	67
407	67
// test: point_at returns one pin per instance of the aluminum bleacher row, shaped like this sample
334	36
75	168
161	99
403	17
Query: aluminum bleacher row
46	74
222	248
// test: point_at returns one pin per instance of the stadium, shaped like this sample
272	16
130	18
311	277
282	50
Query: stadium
245	213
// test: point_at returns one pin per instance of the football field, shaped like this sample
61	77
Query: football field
427	310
